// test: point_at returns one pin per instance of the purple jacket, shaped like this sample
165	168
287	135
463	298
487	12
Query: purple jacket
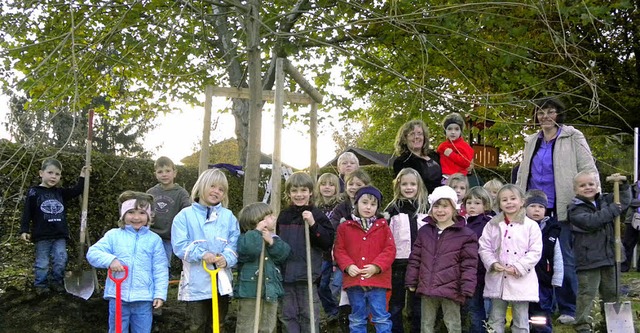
477	223
444	266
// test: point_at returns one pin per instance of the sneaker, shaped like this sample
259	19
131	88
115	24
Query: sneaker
566	319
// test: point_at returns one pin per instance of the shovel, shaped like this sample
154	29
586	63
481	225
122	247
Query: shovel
214	297
118	282
78	282
618	315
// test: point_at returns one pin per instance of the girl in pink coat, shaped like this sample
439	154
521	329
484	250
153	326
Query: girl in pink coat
510	247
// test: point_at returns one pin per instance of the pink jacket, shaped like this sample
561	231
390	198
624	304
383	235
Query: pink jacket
518	244
401	231
354	246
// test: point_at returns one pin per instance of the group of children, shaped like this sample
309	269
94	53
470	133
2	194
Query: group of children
458	251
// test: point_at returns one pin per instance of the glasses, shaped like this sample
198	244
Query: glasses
546	112
414	134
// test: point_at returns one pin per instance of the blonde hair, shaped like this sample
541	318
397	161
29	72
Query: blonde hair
517	190
358	173
585	173
478	192
493	185
298	179
401	145
331	179
421	199
143	201
252	214
348	156
458	178
211	177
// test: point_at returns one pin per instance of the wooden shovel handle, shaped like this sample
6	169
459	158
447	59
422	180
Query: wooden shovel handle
85	191
617	178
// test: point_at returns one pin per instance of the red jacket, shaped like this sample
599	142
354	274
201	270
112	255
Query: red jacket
459	160
354	246
444	266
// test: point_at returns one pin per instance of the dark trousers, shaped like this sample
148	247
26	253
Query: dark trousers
400	295
544	308
476	310
567	294
629	241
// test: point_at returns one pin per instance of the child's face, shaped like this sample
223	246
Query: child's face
50	176
166	175
474	206
137	218
408	186
270	221
460	188
415	139
347	166
328	190
536	211
453	132
442	211
367	206
510	202
586	186
353	185
212	195
300	195
493	194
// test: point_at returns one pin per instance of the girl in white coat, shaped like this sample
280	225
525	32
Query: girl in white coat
510	247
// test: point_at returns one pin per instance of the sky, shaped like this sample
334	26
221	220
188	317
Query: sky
178	133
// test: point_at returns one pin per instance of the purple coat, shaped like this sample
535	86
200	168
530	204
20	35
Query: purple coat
444	266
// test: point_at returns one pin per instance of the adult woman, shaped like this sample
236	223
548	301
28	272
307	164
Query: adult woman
551	158
412	148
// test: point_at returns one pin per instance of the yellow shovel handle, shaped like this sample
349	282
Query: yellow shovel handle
214	296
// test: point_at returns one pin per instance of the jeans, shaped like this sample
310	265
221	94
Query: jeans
477	313
400	295
325	290
544	308
498	316
295	308
168	250
566	295
57	250
367	301
136	316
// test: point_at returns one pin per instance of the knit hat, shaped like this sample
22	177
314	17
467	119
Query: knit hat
443	192
536	197
369	190
453	118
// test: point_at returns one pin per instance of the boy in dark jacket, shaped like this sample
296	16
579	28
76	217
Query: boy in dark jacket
591	216
290	227
550	268
443	262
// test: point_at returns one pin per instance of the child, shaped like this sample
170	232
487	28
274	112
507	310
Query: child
365	250
353	182
442	264
510	247
327	196
550	268
407	211
132	244
477	204
455	154
258	225
45	207
459	183
290	225
169	199
591	217
493	186
205	231
347	163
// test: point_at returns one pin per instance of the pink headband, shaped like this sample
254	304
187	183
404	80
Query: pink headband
129	205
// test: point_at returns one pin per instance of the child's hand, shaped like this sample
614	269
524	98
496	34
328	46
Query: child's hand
264	229
25	237
157	303
512	271
369	270
308	217
497	267
116	266
220	261
448	151
353	271
84	171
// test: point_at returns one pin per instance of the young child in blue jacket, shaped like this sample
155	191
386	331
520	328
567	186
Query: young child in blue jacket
135	246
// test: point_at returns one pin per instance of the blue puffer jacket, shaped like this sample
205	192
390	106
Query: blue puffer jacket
143	252
197	230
